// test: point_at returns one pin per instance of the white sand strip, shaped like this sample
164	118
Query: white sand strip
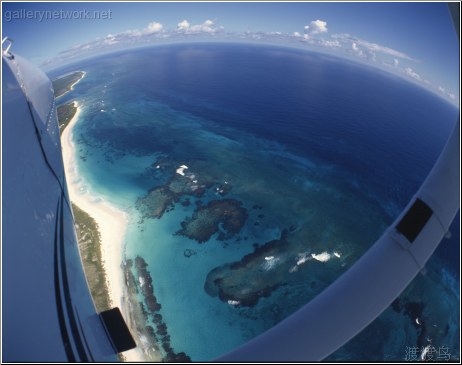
75	83
111	221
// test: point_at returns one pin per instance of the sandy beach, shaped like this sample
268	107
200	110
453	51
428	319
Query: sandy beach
111	221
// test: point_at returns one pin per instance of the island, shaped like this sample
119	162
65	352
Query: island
62	85
65	114
88	235
89	239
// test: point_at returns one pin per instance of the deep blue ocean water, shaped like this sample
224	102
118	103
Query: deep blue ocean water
330	148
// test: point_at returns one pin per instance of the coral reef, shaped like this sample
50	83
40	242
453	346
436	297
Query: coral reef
256	275
158	333
161	199
225	216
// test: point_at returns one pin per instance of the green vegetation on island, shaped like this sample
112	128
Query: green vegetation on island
88	235
65	114
89	240
63	85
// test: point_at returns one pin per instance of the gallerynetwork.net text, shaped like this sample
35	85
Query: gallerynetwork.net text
41	15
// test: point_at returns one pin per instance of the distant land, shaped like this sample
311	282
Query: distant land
64	84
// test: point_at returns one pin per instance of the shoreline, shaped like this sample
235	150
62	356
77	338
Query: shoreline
71	86
63	115
111	223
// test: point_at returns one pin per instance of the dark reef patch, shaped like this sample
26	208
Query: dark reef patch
161	199
414	311
255	276
156	203
159	331
226	217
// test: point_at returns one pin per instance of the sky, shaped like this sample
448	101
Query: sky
414	40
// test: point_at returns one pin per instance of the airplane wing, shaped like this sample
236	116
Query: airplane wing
48	313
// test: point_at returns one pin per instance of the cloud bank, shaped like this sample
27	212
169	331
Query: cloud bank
314	35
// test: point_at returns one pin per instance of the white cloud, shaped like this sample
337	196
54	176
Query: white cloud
110	39
153	31
297	34
372	47
411	73
395	62
208	23
446	93
316	27
362	52
206	27
154	27
378	48
183	25
330	44
356	50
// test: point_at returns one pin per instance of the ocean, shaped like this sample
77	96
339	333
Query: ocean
253	177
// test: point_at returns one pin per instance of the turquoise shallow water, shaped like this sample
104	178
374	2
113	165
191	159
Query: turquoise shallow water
299	155
183	295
